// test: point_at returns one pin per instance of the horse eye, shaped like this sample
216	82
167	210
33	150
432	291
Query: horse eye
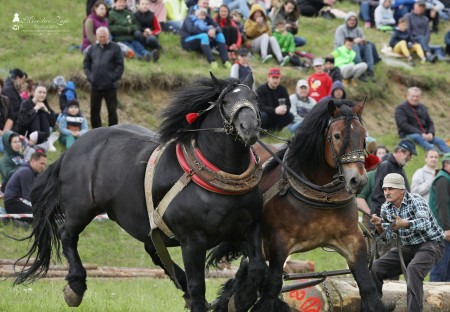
337	136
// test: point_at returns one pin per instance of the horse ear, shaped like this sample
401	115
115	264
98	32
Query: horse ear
332	109
216	82
249	81
358	108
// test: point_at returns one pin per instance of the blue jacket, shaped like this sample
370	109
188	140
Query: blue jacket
19	186
399	35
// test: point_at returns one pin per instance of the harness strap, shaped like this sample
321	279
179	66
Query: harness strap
165	202
164	255
157	224
148	187
273	191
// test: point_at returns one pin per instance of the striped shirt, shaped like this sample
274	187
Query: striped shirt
423	226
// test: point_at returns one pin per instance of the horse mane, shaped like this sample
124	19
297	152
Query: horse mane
192	98
307	149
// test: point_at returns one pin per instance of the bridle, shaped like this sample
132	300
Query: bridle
347	158
228	126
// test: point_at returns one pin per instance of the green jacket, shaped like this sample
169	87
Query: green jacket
286	42
343	56
122	25
11	160
442	218
366	192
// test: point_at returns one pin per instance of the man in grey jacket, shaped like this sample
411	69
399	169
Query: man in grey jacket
103	66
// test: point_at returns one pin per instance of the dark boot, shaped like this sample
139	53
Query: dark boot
371	75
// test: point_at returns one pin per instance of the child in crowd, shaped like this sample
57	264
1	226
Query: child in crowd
149	30
72	124
286	41
66	91
241	69
259	36
384	17
402	42
319	82
237	17
122	25
333	71
344	58
199	19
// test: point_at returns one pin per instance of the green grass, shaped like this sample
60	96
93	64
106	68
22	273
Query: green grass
115	295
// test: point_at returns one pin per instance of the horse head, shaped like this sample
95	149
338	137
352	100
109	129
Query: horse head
238	106
345	143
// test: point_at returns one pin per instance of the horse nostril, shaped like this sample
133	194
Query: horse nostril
242	126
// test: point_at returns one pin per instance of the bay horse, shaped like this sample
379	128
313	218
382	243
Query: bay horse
213	123
309	201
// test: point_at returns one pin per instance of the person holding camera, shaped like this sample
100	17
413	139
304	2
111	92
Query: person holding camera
274	103
407	216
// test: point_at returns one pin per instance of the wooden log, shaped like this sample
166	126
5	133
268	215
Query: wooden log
299	266
60	271
344	296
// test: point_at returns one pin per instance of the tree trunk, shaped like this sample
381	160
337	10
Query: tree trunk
344	296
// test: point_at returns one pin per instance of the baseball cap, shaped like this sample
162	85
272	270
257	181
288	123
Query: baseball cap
394	180
274	72
243	52
318	61
420	2
408	145
446	157
302	83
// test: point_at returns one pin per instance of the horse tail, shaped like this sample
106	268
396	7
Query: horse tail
47	216
226	251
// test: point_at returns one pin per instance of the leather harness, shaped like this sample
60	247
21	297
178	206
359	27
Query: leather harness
329	196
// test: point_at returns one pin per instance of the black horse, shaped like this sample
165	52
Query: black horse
104	171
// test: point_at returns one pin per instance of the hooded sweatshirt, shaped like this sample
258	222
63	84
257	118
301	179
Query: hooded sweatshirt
11	160
252	29
336	85
344	31
383	16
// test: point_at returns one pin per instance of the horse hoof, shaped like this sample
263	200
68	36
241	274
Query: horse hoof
72	299
231	305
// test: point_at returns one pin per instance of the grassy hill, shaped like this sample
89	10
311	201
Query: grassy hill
41	47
